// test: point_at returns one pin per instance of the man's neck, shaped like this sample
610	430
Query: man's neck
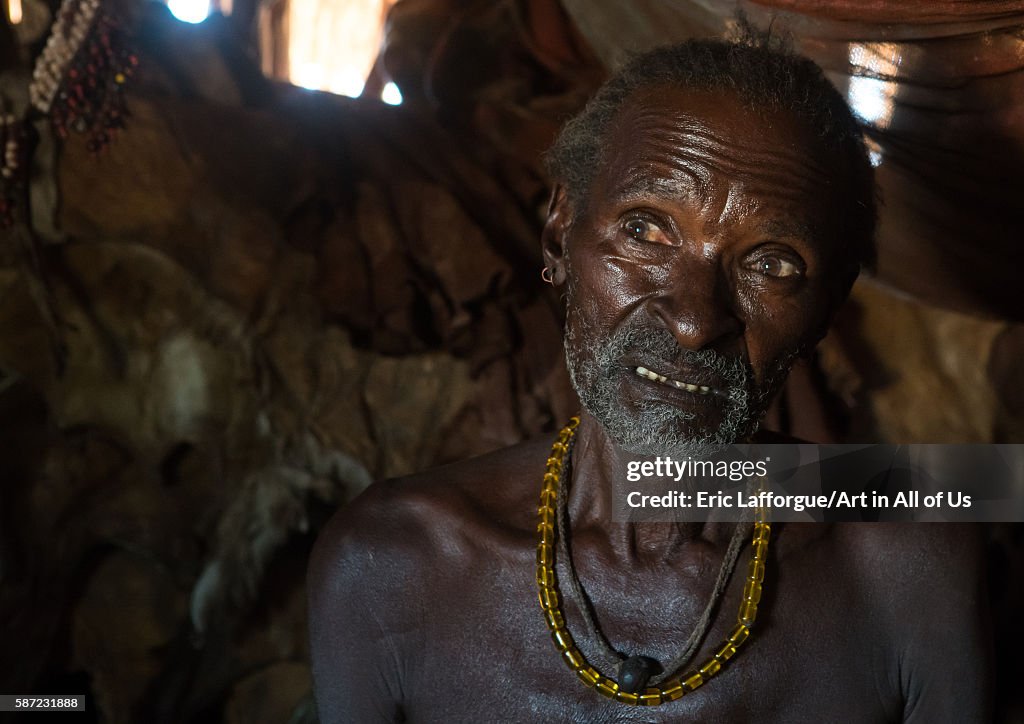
598	469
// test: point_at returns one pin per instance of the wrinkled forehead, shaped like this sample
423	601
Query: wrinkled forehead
695	146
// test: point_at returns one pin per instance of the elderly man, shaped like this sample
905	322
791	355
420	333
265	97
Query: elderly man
713	207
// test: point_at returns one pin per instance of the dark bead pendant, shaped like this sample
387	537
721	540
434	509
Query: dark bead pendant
635	671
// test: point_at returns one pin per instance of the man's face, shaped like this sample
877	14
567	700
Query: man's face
702	262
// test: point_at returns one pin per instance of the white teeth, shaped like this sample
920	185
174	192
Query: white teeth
701	389
644	372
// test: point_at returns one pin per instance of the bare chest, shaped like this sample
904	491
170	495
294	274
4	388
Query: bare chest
483	651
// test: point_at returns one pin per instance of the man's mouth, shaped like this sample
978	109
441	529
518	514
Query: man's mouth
678	384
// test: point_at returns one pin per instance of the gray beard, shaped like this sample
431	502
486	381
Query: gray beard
653	426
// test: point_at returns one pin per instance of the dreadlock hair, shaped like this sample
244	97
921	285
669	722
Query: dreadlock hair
765	74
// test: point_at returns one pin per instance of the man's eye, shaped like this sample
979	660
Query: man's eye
777	266
644	230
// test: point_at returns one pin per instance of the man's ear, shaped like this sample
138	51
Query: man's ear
555	234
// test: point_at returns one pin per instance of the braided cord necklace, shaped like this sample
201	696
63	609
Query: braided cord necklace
550	529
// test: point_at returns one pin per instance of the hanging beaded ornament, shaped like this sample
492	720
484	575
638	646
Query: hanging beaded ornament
79	78
550	600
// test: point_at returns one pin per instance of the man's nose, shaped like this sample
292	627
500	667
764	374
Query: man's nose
698	309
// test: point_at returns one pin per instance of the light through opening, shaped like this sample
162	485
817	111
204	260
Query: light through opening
332	44
872	98
14	12
189	11
391	95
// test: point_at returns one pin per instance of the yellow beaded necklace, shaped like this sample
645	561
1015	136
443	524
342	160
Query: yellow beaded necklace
547	587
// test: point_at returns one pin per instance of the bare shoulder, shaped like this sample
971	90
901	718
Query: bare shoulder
395	526
916	556
919	594
883	549
896	564
383	562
